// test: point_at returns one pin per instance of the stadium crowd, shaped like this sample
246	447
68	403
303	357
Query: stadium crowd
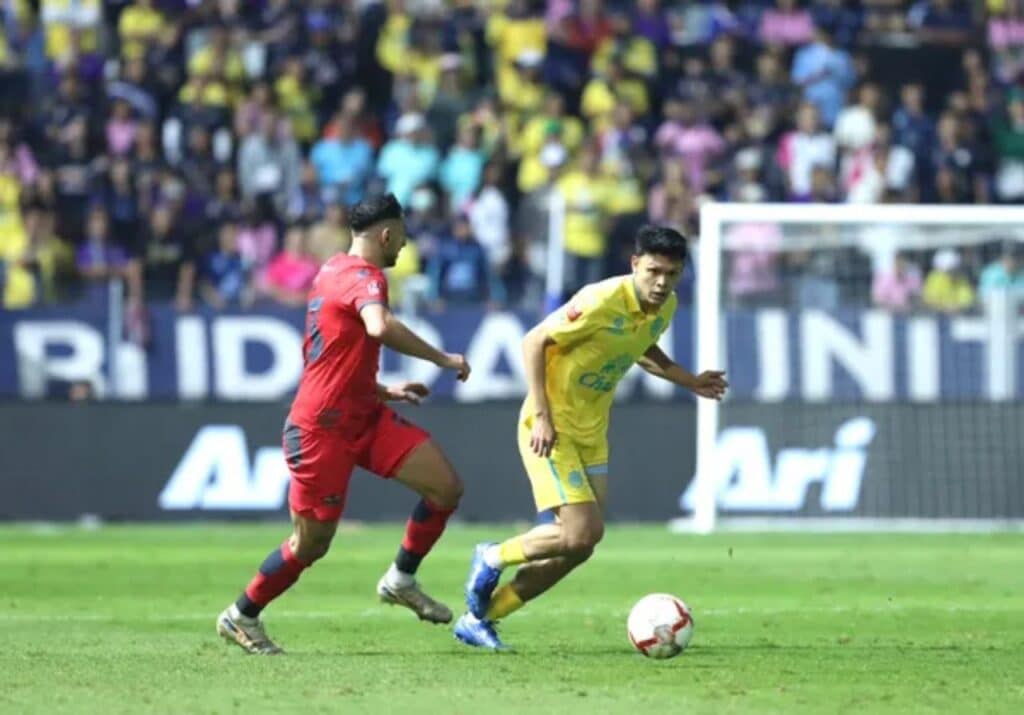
205	151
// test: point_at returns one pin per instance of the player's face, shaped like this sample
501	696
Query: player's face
655	277
394	238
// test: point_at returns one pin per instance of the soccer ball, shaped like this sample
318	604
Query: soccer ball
660	626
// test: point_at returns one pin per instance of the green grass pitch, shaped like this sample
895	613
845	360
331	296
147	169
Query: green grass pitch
121	620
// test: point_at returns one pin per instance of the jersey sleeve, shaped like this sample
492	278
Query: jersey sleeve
577	319
368	287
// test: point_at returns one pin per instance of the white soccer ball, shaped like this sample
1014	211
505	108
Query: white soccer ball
660	625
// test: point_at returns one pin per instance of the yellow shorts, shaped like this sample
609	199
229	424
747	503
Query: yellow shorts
565	476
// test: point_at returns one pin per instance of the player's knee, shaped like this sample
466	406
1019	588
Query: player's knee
310	547
578	544
447	493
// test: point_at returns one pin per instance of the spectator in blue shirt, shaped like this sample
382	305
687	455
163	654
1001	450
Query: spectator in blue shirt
343	161
825	73
463	167
408	160
460	273
911	125
1004	274
224	279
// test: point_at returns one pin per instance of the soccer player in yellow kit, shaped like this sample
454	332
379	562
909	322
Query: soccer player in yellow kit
574	360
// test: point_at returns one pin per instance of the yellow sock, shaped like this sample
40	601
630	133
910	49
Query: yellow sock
511	552
504	601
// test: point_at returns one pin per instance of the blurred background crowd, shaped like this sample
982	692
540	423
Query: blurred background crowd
204	152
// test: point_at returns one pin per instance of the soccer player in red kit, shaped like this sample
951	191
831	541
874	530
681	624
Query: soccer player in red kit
338	421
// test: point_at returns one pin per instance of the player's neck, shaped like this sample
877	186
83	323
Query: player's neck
369	253
644	306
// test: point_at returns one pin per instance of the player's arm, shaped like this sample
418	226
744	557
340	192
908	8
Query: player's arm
567	327
413	392
381	324
536	342
710	384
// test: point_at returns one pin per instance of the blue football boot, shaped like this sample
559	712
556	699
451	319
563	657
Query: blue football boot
478	633
481	582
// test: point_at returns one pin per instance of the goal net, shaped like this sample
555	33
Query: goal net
874	366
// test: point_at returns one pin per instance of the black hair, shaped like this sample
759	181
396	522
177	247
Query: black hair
364	214
661	241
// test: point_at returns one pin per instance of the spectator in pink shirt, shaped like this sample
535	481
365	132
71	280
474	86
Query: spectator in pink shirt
753	251
694	141
897	288
290	274
257	240
786	24
1006	40
121	129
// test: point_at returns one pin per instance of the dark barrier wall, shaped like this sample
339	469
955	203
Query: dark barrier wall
153	461
959	460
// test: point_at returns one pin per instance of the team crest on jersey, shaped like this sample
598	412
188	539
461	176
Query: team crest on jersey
572	313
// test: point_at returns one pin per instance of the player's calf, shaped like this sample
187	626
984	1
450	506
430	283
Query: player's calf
426	471
310	541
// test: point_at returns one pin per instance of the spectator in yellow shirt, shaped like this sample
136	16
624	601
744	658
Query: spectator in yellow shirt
512	33
62	18
947	289
30	254
585	193
538	128
533	169
218	58
523	94
393	42
296	99
637	52
602	93
139	24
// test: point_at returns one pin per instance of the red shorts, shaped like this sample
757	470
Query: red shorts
321	460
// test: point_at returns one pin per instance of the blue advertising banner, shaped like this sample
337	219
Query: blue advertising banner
772	355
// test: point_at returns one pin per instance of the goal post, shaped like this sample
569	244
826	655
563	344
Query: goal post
940	374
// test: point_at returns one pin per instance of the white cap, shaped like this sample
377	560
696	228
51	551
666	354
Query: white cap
751	193
409	123
422	199
530	58
748	159
553	155
450	61
946	259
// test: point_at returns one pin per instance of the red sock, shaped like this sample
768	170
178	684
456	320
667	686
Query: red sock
276	575
422	531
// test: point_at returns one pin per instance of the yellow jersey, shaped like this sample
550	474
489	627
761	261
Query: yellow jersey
598	336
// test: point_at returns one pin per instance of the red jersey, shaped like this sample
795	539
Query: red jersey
340	359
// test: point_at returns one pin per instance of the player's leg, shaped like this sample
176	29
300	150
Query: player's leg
320	468
559	484
406	452
583	528
240	622
556	481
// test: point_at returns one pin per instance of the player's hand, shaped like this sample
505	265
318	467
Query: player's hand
710	384
457	362
412	392
542	436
